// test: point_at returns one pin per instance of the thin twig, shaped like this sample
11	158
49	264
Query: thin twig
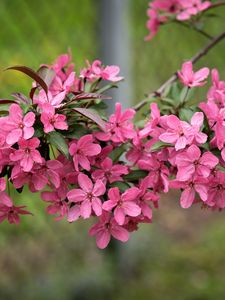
202	32
173	78
214	5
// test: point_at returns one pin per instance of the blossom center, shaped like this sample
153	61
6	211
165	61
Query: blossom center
89	196
27	151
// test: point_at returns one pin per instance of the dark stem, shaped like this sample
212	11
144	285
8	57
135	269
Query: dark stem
214	5
202	32
173	78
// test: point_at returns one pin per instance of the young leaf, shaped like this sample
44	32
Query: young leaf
117	152
135	175
21	98
185	114
159	145
46	74
90	114
32	74
57	140
87	96
3	101
77	131
123	186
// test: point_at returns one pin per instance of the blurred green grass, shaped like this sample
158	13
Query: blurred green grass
179	256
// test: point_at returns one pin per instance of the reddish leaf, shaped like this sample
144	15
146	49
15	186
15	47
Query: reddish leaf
32	74
46	74
32	92
6	101
21	98
85	96
90	114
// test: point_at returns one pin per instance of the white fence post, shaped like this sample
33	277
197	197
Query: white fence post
115	46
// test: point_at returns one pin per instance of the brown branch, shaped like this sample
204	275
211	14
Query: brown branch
174	77
214	5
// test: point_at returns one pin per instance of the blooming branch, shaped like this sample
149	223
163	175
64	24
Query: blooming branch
216	40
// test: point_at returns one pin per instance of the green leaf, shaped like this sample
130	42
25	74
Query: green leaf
185	114
38	132
159	145
106	88
184	94
90	114
168	100
135	175
77	132
166	91
58	140
117	152
123	186
175	92
205	146
32	74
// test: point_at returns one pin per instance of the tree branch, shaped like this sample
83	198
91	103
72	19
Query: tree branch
214	5
174	77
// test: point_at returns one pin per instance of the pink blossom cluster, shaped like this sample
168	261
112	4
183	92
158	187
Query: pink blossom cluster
163	11
86	165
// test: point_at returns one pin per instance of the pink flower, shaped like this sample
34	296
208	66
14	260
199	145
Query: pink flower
119	128
189	189
110	172
83	150
12	213
191	79
27	154
97	71
174	133
215	118
190	8
16	126
145	198
98	159
88	196
7	209
193	132
43	99
51	120
124	204
73	213
4	198
154	23
150	127
158	173
216	93
216	191
108	73
106	227
46	173
191	162
62	66
61	87
58	204
170	6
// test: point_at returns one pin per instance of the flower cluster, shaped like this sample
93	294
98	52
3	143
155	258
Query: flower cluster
59	142
163	11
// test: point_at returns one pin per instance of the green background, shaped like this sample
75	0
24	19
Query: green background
182	254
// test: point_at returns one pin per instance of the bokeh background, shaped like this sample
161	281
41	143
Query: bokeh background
182	254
